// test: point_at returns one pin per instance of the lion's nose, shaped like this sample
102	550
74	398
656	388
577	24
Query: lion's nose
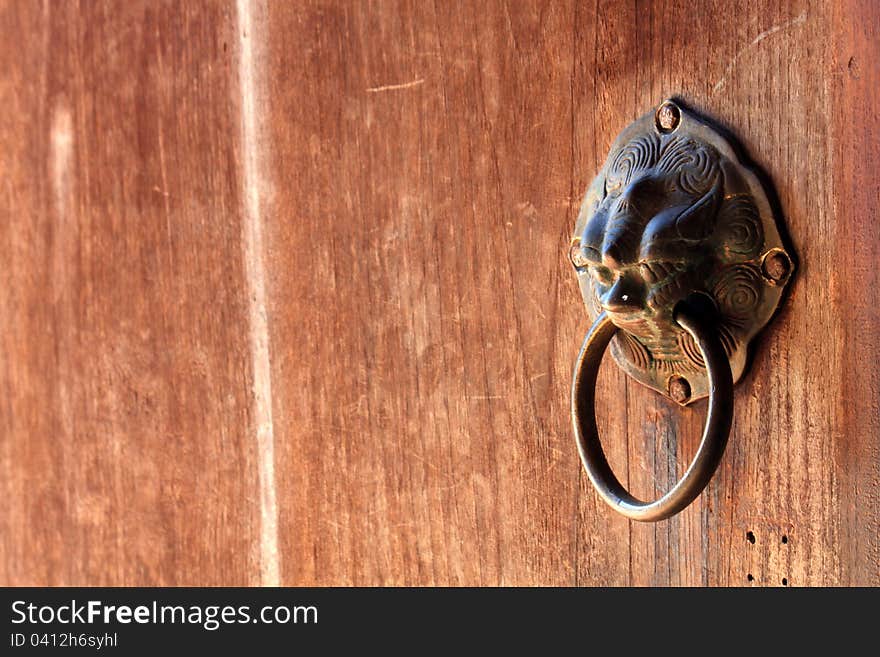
626	295
613	255
620	246
623	231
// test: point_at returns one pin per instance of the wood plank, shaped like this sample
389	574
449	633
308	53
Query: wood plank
423	197
734	71
782	481
855	285
776	503
428	168
126	450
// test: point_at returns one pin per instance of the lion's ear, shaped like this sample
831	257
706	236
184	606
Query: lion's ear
698	221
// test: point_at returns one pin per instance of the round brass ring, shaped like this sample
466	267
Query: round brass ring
715	431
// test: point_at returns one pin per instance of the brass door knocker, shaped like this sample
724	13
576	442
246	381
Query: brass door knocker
679	260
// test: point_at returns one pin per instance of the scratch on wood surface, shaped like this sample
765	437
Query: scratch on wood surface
258	338
798	20
162	167
395	87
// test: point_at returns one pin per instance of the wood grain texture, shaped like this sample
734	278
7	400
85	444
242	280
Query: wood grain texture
855	286
126	455
428	165
365	290
415	264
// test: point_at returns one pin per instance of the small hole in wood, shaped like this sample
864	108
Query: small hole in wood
750	537
750	577
785	581
784	539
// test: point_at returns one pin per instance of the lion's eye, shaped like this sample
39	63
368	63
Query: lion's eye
657	271
602	275
647	273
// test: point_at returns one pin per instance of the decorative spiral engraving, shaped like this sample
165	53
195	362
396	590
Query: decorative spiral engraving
729	335
738	290
634	350
739	226
638	154
690	350
693	166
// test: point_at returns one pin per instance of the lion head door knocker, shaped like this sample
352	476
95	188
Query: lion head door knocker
679	260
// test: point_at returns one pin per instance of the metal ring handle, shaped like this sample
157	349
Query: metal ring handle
715	431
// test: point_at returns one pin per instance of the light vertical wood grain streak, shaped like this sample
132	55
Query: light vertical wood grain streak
252	186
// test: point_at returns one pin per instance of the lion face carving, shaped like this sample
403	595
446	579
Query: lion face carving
673	212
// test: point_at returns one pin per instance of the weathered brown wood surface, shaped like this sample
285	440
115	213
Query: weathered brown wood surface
125	444
288	299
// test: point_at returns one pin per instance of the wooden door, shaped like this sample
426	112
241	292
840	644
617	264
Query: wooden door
287	297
